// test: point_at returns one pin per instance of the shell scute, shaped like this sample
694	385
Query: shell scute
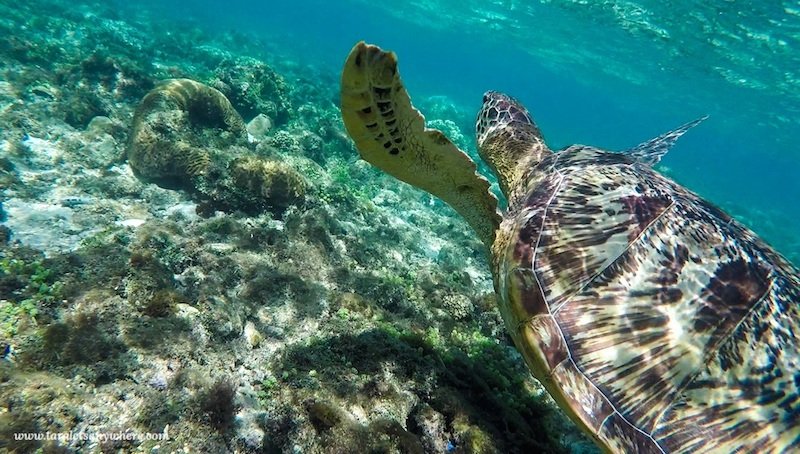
593	217
748	392
581	396
543	334
526	295
621	436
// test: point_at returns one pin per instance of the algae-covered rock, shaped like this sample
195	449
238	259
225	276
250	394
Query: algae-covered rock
251	335
254	88
96	85
178	128
83	105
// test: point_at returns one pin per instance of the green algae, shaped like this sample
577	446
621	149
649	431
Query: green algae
27	284
83	345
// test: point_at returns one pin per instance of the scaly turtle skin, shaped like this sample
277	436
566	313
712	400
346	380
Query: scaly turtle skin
657	322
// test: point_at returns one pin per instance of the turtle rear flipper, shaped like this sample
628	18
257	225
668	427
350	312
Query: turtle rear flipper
391	135
653	150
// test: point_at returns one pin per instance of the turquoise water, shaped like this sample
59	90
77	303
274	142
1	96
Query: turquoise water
278	294
610	74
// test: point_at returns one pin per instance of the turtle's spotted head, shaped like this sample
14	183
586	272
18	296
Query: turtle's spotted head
508	139
498	112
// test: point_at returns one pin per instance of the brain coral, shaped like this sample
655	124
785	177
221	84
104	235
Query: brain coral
266	185
178	129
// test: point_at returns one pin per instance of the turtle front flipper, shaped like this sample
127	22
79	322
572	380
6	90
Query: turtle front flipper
391	135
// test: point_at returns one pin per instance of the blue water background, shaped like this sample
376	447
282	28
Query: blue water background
590	75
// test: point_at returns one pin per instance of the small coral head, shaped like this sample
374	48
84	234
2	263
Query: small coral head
498	112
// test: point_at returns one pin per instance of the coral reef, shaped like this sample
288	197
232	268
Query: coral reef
289	298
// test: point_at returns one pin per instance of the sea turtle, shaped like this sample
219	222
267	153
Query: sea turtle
656	322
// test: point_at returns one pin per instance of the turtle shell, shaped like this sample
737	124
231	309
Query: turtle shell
654	319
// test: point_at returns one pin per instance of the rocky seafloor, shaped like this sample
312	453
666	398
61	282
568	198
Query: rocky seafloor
268	293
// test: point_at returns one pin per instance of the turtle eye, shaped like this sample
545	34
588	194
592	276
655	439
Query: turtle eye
486	97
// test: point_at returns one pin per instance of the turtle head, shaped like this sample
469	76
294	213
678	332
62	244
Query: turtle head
499	112
508	139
